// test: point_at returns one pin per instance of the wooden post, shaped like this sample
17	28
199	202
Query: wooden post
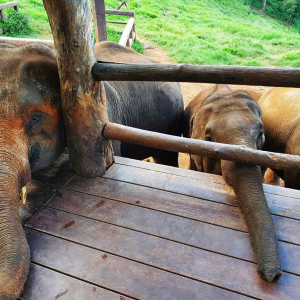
83	99
99	20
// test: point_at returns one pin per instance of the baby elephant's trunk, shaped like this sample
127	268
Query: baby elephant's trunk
246	181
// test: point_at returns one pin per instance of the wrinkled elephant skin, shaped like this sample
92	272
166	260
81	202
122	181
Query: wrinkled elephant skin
220	115
32	133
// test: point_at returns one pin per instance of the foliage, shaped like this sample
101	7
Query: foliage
285	10
223	32
15	23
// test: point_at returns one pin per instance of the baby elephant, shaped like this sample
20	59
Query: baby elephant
220	115
281	116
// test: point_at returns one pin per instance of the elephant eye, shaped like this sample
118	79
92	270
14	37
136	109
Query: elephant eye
260	140
208	138
36	118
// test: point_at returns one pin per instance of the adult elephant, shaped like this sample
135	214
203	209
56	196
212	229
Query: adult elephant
220	115
32	133
281	117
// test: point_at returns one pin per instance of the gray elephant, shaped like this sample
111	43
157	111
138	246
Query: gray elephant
280	114
32	133
220	115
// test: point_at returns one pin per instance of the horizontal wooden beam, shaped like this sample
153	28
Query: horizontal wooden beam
115	22
235	153
13	4
127	31
285	77
119	12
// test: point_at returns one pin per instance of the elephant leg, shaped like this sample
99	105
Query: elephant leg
166	158
193	165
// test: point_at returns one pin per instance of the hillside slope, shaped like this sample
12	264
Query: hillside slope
223	32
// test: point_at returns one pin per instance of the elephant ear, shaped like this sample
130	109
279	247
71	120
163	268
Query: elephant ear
39	73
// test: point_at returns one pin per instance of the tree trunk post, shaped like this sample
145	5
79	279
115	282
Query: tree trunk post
83	99
99	20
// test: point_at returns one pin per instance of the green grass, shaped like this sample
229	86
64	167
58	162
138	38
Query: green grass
223	32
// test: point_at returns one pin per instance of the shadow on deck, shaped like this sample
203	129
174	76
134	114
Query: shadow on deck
146	231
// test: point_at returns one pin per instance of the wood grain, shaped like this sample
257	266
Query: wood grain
237	153
194	233
40	287
83	99
219	270
261	76
119	274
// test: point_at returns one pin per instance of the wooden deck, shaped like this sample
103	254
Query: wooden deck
147	231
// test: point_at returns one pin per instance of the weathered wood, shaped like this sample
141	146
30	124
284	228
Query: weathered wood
13	4
216	150
209	267
3	6
127	33
271	190
45	284
19	42
285	77
138	233
116	22
200	208
99	20
121	4
83	99
194	233
119	12
116	273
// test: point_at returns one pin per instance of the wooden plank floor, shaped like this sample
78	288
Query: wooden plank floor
146	231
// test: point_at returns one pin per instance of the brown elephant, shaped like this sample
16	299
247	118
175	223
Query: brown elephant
281	117
220	115
32	133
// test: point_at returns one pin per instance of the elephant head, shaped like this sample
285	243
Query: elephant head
223	116
31	138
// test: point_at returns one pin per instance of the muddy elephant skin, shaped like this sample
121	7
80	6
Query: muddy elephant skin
220	115
32	134
281	117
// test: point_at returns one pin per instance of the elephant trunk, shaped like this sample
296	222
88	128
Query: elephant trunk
246	181
14	250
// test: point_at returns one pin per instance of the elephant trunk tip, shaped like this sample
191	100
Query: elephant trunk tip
270	275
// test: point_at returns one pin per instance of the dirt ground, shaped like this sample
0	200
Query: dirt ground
188	90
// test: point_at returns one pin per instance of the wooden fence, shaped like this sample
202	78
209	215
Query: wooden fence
99	12
102	71
3	6
129	34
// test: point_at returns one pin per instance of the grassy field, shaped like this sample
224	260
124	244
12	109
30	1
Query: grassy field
223	32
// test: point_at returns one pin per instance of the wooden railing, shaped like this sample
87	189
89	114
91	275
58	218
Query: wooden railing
288	77
3	6
240	154
129	34
262	76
